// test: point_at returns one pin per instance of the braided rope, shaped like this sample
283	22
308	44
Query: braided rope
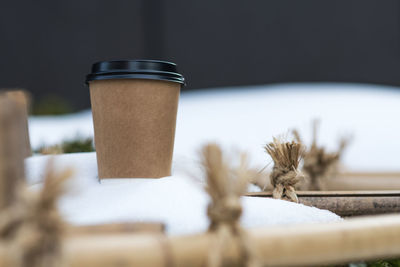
285	175
32	227
318	163
225	186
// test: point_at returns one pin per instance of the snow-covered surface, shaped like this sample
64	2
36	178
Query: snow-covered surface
246	118
178	201
239	119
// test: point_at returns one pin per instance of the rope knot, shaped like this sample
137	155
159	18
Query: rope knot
225	185
318	163
227	211
32	226
285	175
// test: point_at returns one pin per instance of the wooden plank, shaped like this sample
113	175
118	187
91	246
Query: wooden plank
348	203
335	193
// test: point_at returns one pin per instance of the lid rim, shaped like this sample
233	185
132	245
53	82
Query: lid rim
94	77
135	69
155	72
136	60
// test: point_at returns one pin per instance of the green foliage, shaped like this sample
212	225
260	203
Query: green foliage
385	263
358	264
68	146
379	263
51	105
78	145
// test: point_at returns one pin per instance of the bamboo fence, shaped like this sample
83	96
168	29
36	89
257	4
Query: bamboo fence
356	239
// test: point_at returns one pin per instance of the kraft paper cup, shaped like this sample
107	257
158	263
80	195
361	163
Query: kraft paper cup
134	106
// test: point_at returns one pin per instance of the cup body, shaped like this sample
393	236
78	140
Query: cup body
134	126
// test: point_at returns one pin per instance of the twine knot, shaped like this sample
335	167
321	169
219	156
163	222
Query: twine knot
284	182
285	174
227	211
225	185
32	226
318	163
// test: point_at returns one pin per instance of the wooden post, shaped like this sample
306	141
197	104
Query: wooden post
348	203
11	149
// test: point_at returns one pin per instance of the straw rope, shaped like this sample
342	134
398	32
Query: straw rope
285	174
32	227
225	186
318	163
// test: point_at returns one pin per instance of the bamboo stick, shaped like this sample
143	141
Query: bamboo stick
116	228
348	203
368	238
365	181
22	98
357	181
353	240
11	150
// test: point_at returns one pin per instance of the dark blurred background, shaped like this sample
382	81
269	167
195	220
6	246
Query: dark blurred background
48	46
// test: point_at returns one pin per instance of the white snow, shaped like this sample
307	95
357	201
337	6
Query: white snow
50	130
246	118
240	119
178	201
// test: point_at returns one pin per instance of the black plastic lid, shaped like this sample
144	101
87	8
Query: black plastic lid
135	69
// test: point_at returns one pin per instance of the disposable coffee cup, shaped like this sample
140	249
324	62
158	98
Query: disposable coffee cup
134	106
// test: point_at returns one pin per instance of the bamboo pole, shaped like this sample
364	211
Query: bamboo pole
353	240
357	181
116	228
368	238
365	181
22	99
11	150
348	203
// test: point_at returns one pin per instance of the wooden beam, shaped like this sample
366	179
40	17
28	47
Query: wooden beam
348	203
